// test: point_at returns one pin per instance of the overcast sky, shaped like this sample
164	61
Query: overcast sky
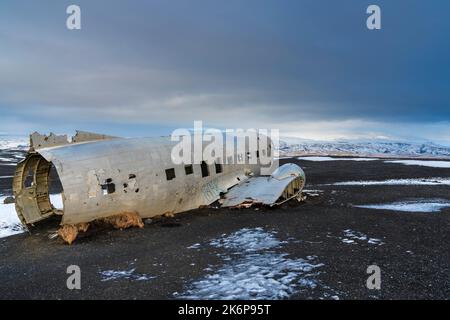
309	68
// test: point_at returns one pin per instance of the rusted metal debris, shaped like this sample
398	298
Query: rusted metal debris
127	180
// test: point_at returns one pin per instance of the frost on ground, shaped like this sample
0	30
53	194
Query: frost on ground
110	275
424	163
9	221
431	205
247	240
355	237
396	182
254	270
335	159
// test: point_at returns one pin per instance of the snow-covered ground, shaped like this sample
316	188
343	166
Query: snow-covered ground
312	158
396	182
10	223
254	269
11	161
430	205
424	163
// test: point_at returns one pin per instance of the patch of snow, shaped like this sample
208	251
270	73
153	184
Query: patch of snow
6	177
110	275
253	270
255	276
335	159
9	221
396	182
424	163
353	237
435	205
194	246
248	240
312	193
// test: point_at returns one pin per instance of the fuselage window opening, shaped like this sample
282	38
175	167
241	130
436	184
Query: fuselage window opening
108	187
219	168
170	174
205	169
29	179
189	169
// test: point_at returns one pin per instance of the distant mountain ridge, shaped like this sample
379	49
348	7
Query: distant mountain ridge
293	146
296	146
14	142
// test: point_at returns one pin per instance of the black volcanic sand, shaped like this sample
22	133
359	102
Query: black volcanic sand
414	259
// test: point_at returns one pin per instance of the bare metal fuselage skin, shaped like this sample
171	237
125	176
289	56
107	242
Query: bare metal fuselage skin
110	176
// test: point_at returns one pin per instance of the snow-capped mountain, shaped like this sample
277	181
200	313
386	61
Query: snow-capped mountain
13	142
294	146
297	146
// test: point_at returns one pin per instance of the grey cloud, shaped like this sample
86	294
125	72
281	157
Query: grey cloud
226	62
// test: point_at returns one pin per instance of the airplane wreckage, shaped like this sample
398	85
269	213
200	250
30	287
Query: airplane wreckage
124	180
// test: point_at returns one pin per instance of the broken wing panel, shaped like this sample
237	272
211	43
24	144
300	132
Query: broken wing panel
285	183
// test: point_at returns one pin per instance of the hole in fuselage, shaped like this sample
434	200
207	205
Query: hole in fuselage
55	189
29	179
39	190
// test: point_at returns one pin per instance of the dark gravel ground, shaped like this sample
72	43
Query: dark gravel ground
414	259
